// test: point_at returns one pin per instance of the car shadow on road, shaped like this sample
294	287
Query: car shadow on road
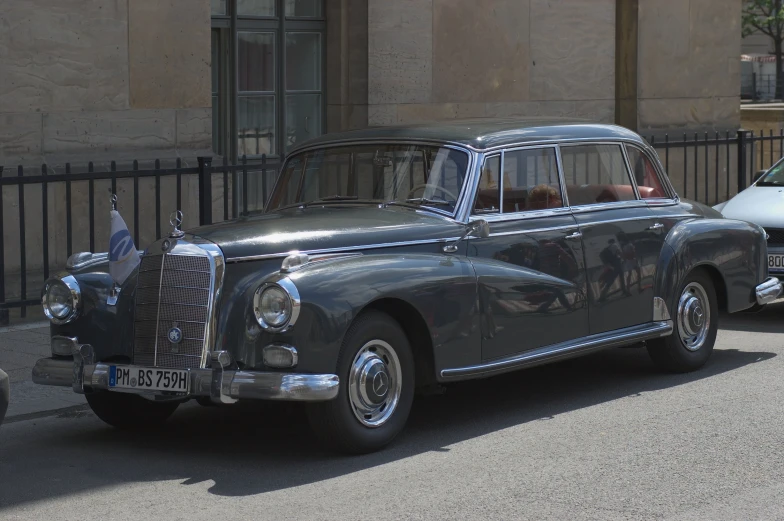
769	320
252	449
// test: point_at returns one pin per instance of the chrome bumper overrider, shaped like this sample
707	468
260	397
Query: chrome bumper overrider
221	385
768	291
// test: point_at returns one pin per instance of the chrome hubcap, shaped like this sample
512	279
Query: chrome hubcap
374	383
693	316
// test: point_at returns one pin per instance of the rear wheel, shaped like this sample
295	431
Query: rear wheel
376	370
129	411
695	327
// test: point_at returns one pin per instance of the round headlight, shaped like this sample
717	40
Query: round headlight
60	299
276	305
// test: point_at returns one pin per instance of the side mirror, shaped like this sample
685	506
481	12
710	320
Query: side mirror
758	175
479	229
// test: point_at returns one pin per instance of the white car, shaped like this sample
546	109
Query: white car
763	203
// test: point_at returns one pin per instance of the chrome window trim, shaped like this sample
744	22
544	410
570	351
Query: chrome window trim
597	207
470	166
523	216
616	204
493	216
501	182
267	256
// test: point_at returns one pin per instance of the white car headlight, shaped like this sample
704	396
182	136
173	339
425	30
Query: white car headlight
276	305
61	299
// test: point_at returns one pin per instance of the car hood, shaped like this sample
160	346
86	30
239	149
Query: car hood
763	205
325	227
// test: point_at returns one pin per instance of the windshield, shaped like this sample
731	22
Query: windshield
774	176
418	175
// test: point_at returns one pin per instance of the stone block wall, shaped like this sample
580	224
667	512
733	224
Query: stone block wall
689	65
429	60
98	80
103	79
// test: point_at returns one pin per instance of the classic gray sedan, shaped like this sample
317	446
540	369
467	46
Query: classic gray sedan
398	259
763	203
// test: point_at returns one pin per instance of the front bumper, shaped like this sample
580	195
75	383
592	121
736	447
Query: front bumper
220	384
768	291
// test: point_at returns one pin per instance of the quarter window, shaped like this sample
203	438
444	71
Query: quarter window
648	183
596	174
488	196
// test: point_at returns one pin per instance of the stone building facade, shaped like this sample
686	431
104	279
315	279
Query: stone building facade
101	80
96	79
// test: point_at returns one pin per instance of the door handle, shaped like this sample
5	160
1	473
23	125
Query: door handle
576	236
656	226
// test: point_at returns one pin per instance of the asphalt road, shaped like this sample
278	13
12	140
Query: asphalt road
603	437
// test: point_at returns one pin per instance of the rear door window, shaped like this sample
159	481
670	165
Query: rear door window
596	174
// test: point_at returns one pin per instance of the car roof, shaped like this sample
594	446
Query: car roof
485	133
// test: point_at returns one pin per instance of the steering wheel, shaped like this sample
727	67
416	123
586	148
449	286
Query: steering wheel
437	187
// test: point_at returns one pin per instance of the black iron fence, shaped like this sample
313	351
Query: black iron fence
48	214
712	167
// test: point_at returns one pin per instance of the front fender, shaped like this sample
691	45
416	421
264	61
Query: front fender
442	289
733	249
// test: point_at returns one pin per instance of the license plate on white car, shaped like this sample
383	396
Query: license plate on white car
145	378
776	262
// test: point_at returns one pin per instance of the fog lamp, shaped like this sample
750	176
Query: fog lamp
279	355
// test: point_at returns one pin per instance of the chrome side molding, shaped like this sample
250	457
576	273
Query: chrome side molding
620	337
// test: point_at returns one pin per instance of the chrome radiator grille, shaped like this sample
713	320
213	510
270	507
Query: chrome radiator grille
173	292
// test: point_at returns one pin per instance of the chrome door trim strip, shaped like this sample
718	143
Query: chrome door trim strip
533	230
232	260
583	345
522	216
626	219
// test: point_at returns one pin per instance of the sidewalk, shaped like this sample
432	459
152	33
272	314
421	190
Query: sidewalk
20	346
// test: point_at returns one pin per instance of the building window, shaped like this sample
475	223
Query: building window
268	75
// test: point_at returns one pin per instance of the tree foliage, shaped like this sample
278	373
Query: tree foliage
765	16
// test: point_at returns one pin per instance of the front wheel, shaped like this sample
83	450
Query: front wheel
376	370
695	327
129	411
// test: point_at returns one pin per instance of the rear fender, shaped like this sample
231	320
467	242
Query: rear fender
732	250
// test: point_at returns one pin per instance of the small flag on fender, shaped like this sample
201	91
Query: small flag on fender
123	257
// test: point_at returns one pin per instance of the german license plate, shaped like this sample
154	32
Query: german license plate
776	262
129	377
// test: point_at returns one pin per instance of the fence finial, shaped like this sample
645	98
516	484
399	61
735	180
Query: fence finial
113	200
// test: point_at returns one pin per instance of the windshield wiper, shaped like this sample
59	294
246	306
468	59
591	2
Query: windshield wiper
425	200
337	197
